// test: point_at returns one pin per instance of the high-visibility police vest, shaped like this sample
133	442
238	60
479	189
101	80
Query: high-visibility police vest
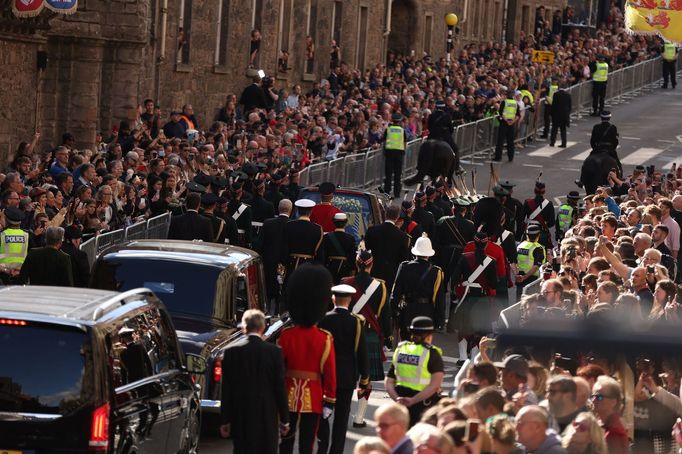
411	361
510	109
13	246
525	256
550	95
525	93
395	138
602	72
565	217
669	51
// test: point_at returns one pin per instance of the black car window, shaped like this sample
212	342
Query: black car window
134	350
175	283
44	368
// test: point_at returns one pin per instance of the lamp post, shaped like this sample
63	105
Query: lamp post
450	20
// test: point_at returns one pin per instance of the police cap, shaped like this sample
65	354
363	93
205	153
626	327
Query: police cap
573	195
533	228
422	324
14	215
343	290
202	179
209	199
193	186
397	116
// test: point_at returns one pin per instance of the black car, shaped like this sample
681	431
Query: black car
90	370
206	288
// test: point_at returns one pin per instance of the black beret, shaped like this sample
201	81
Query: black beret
195	187
209	199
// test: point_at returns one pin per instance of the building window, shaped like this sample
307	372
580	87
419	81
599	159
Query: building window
223	30
311	34
477	20
363	22
525	16
496	21
184	32
428	32
337	21
257	15
284	33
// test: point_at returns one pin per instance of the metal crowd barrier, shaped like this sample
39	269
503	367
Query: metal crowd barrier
365	169
154	228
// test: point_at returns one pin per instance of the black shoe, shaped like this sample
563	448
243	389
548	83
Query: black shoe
511	158
496	159
664	87
359	424
551	144
544	136
594	114
563	145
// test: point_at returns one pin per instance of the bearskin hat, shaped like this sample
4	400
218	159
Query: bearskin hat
308	294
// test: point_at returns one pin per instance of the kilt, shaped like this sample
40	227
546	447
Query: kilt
374	353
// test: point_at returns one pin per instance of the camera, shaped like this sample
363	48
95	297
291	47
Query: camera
267	82
572	253
651	269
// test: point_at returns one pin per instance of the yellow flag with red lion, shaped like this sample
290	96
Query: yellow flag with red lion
663	17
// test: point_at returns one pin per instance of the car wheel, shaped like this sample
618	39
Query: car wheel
191	432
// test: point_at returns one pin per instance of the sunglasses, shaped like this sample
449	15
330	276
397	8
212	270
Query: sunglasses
598	397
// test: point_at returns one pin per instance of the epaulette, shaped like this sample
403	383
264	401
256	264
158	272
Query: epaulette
359	316
326	332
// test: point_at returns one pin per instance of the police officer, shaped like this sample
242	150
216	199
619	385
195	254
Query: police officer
540	210
600	76
531	256
422	216
417	370
669	54
13	244
302	237
241	213
395	140
567	215
339	249
348	331
323	213
441	126
509	116
418	288
476	277
605	137
551	88
514	211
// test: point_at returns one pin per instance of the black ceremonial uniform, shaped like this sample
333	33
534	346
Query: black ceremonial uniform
348	331
435	210
219	230
274	196
514	213
303	240
339	253
261	210
425	220
421	285
412	228
242	215
444	204
604	132
292	191
452	233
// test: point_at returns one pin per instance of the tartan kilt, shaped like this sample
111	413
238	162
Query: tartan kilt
376	365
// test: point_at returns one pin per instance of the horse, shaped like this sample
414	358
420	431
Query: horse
436	159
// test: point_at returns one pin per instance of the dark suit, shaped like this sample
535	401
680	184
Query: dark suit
561	115
261	210
80	266
47	266
390	247
273	248
253	97
254	400
339	250
348	331
191	226
425	219
218	226
302	239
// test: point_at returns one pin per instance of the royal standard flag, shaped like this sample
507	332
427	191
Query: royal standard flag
663	17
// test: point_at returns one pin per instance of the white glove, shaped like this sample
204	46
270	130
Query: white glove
326	412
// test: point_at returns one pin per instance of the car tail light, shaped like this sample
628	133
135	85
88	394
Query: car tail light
217	370
7	321
99	432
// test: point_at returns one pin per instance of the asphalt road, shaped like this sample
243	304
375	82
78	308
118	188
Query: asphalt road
650	133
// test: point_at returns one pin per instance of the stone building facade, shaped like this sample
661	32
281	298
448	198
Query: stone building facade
86	72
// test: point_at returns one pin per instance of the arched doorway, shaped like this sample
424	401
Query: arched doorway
403	27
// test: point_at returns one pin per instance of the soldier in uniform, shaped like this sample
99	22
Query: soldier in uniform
442	200
261	210
540	210
13	245
370	302
501	194
431	207
407	224
274	253
274	194
241	213
348	331
514	211
339	249
567	215
323	213
531	256
309	357
303	238
421	216
452	234
417	370
476	276
293	189
208	203
418	288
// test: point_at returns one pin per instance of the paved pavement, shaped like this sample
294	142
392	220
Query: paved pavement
650	133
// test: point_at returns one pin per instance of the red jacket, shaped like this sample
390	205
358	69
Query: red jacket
310	364
495	251
616	435
322	214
